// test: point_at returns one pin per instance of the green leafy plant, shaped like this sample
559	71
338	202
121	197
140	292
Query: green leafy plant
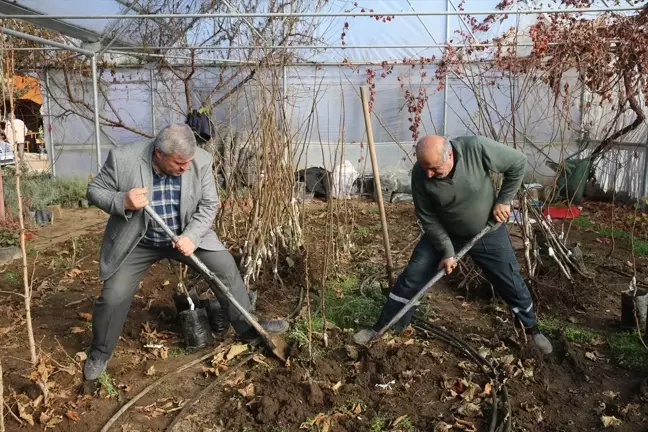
8	238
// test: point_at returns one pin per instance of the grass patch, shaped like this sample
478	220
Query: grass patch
108	385
299	332
363	230
640	246
346	308
553	326
175	351
579	335
628	350
11	277
549	325
583	222
378	424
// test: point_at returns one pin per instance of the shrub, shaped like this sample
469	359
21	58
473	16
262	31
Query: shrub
40	190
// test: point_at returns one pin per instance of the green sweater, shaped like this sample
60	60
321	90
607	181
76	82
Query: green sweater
460	205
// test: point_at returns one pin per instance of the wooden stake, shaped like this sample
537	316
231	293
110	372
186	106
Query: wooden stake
374	166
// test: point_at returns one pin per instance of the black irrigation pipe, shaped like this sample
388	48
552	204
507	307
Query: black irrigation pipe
472	354
206	390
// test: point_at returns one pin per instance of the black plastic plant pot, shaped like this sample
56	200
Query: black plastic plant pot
195	329
181	302
634	307
217	314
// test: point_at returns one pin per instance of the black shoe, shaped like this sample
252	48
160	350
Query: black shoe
271	326
93	368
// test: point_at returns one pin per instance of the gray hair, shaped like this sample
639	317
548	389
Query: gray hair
177	139
447	148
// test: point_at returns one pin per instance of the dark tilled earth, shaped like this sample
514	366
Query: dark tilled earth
407	383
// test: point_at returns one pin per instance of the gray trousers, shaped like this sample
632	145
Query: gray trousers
112	307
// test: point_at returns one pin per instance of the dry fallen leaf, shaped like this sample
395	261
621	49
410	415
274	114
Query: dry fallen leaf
73	415
469	410
125	387
442	427
465	425
75	330
357	409
237	377
487	390
337	386
36	402
629	407
259	358
247	392
236	350
80	356
54	422
610	394
85	316
472	390
150	371
398	420
24	414
468	366
507	359
610	421
209	371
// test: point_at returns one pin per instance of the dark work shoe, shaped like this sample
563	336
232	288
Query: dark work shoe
364	336
93	368
277	326
271	326
540	341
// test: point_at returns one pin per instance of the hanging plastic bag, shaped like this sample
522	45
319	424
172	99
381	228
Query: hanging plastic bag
343	177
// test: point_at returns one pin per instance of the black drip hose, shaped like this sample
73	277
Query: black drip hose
473	355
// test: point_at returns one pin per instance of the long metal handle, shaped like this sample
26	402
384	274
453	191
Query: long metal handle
203	268
435	279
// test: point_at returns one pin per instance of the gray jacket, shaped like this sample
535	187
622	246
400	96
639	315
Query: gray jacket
131	166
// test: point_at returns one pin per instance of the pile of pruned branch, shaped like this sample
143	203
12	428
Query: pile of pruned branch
543	246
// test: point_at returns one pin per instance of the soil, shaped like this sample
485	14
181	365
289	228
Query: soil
404	382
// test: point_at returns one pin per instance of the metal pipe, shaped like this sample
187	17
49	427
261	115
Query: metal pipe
324	47
462	21
447	81
227	62
153	85
333	14
48	113
42	41
95	91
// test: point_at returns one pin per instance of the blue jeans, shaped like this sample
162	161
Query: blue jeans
492	253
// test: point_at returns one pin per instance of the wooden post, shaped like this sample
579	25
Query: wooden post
374	166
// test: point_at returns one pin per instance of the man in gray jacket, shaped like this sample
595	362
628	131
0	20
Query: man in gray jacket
174	177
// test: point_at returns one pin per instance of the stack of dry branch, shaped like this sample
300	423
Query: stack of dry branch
543	245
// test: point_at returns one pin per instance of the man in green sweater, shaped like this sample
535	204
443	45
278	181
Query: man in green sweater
454	199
